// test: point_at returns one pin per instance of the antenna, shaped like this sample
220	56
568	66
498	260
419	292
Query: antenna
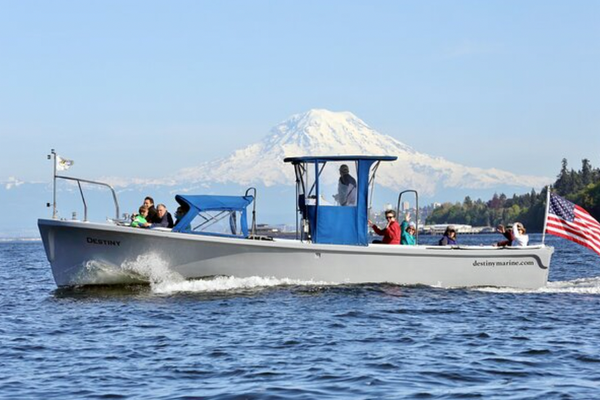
52	157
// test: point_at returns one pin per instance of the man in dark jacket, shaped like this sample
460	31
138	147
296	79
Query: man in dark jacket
149	202
163	218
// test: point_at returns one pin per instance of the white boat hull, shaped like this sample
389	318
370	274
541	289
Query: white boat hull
99	254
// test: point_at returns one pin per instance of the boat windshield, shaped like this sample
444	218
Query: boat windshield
217	223
338	184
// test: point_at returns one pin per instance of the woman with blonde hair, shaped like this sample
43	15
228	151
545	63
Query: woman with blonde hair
519	236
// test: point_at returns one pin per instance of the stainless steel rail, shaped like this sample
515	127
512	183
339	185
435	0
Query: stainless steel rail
416	216
85	208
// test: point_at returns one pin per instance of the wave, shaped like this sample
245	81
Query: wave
576	286
152	269
227	283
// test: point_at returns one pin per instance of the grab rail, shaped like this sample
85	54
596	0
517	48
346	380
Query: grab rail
417	213
79	180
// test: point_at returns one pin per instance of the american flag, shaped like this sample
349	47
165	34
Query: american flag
572	222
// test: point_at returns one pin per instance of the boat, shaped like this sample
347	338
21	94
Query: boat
332	243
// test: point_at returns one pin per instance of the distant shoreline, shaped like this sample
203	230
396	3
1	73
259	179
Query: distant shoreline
20	239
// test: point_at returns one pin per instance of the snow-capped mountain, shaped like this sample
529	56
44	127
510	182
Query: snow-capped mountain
316	132
323	132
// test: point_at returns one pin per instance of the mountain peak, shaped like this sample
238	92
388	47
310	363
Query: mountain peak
316	115
324	132
317	120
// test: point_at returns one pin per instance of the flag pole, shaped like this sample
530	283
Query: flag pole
546	214
53	184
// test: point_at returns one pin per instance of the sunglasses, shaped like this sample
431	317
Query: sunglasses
389	217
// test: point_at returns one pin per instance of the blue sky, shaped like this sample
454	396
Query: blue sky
143	88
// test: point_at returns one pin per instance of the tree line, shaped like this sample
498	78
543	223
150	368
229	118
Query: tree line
582	187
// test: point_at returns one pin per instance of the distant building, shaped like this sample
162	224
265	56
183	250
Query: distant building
405	206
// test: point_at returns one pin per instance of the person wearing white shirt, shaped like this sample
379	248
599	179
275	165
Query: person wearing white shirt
519	236
346	188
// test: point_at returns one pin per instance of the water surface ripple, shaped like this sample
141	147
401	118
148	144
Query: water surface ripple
262	338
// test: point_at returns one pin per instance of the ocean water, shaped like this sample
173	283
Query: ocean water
262	338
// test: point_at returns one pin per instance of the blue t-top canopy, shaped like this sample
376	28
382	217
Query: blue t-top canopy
313	159
343	224
201	203
215	203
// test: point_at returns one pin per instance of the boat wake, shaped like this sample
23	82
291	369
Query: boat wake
150	268
146	268
576	286
226	284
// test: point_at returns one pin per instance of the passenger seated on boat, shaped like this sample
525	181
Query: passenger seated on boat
163	218
149	202
180	213
346	195
408	230
449	237
520	238
507	233
391	232
140	219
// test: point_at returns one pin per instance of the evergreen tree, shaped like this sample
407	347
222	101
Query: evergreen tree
575	184
581	187
468	202
562	181
586	172
532	198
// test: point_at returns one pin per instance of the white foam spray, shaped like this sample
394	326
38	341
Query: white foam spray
146	268
577	286
227	283
153	268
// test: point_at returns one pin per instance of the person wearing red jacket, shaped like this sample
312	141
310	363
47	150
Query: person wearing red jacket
391	232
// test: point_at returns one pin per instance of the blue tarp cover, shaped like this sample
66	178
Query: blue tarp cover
201	203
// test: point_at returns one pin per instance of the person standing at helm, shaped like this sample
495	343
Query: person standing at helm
346	195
